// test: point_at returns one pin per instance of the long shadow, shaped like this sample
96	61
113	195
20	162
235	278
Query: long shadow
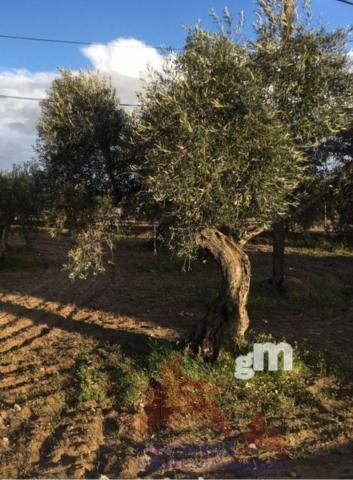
133	344
159	297
129	274
134	286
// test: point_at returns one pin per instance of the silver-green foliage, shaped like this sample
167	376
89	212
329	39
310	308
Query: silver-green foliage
21	193
229	123
93	241
83	137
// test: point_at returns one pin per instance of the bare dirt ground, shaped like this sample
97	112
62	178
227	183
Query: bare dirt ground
45	320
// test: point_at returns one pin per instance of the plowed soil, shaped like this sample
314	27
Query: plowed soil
45	320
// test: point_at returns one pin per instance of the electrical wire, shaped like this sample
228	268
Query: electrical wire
37	99
347	2
77	42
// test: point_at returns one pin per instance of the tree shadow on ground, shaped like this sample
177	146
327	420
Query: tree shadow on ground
133	344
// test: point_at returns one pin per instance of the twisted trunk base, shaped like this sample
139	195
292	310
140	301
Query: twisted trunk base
226	322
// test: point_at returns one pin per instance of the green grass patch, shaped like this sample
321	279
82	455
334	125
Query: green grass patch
208	401
184	399
328	295
104	375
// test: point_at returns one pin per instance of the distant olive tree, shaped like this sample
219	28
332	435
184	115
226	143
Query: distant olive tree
83	142
307	69
21	201
337	154
86	151
229	124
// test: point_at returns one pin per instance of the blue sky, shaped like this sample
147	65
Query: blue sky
155	22
27	68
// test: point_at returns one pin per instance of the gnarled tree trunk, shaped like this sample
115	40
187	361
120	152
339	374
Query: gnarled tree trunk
227	320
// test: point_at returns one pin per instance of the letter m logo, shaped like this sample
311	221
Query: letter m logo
273	352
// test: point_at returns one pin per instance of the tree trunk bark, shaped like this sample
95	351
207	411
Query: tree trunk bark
278	252
5	229
117	194
1	241
3	235
226	322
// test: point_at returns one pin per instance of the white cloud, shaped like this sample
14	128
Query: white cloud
126	87
126	56
123	60
18	118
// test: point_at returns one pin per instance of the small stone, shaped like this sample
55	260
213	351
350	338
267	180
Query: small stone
293	287
253	446
17	407
185	313
5	441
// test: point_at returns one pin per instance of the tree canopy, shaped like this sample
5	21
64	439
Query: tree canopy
83	137
229	127
226	131
229	123
21	198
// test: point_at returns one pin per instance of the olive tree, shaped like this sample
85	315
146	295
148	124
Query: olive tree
86	151
83	141
21	200
228	124
308	71
5	217
337	154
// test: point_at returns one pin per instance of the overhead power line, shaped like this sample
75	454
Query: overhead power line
76	42
50	40
37	99
348	2
87	43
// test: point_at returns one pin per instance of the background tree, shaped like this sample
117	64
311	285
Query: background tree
336	153
307	68
83	143
229	126
21	200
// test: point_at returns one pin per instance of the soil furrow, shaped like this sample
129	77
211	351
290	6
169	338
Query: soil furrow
40	332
